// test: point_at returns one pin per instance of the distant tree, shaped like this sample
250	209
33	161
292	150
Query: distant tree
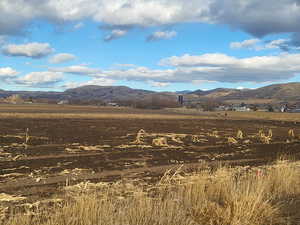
254	108
209	105
30	99
156	102
270	108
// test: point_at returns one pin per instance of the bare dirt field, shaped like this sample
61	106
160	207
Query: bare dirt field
67	145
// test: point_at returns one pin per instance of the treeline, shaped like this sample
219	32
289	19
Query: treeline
151	102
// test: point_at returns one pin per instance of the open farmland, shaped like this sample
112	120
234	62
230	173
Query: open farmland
43	149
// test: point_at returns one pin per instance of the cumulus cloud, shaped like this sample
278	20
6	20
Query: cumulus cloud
250	44
31	50
115	34
77	69
253	16
215	60
135	74
14	15
95	81
214	67
258	17
224	68
40	79
258	44
61	58
7	72
211	68
124	65
160	35
158	84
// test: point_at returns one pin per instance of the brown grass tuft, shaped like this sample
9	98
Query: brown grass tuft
160	142
239	135
227	197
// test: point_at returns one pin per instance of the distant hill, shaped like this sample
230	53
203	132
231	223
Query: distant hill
105	93
32	94
283	92
275	92
215	93
271	93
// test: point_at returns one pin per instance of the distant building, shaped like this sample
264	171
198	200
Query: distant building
284	108
241	108
63	102
291	108
113	104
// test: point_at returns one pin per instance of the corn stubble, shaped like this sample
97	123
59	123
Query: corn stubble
225	197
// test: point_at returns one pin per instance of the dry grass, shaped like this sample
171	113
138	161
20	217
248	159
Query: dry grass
160	142
97	116
264	116
232	140
44	111
140	137
239	135
291	133
242	196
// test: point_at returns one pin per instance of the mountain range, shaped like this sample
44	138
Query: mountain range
269	94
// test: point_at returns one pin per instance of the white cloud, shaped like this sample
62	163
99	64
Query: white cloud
180	69
115	34
31	50
77	69
211	68
14	15
40	79
61	58
258	45
276	44
250	44
206	59
96	81
6	72
158	84
253	16
124	65
136	74
223	68
160	35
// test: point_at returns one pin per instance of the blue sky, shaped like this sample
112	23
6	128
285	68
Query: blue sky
158	45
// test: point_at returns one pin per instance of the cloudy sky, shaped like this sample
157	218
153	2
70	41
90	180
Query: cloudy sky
160	45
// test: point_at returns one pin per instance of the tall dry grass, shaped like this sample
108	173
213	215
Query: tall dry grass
228	196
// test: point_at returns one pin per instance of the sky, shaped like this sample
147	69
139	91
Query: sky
161	45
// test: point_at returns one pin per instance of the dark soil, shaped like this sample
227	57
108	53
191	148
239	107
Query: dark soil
37	171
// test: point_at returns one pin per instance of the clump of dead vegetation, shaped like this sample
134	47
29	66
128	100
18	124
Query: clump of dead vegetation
140	137
229	196
240	135
160	142
291	136
158	139
265	139
232	140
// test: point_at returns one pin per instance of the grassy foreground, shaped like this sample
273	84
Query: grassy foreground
229	196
